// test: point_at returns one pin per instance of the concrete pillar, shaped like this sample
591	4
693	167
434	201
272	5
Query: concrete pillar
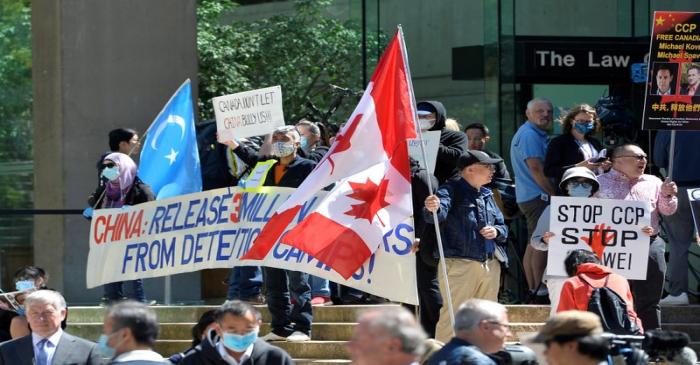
98	65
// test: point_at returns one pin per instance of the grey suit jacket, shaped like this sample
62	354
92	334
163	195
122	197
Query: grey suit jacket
71	350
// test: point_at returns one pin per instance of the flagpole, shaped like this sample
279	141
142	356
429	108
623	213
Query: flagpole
436	223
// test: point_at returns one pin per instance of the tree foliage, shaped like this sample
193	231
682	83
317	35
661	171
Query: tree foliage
303	52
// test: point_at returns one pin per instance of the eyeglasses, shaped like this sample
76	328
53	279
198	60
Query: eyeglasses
504	325
638	157
576	184
488	166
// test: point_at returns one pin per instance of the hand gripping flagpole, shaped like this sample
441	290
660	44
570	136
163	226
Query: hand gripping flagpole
436	223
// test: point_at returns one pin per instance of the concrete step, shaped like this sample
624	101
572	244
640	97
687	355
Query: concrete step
680	314
692	329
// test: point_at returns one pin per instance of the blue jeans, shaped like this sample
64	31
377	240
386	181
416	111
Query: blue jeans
244	282
319	287
287	318
113	291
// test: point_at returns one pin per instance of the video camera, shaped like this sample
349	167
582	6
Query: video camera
515	355
656	345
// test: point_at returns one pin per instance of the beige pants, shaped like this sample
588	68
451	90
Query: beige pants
468	279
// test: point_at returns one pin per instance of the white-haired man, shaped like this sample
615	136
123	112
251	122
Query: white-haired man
48	343
387	336
481	328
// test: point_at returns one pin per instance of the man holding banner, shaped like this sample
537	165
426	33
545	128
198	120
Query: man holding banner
291	323
627	180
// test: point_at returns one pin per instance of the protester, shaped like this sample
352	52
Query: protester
129	334
587	272
472	227
679	227
627	181
576	146
48	343
429	299
234	340
387	336
123	188
291	322
451	124
481	328
477	136
577	182
431	117
573	337
200	331
532	187
311	147
123	140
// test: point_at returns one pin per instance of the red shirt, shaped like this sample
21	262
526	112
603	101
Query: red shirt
575	293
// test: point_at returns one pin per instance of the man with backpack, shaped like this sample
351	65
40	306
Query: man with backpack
596	288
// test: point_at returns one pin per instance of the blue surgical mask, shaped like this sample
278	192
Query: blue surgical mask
282	149
584	128
23	285
580	191
303	143
239	343
102	346
110	173
21	311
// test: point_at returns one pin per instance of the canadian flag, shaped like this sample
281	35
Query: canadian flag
369	163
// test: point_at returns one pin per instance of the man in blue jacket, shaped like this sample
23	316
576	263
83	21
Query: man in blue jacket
471	226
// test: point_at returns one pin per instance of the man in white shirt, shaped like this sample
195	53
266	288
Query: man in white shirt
129	333
48	343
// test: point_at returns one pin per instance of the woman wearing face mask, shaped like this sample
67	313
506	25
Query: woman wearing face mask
576	146
121	188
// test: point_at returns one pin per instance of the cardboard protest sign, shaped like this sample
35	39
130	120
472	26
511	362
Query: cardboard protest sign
610	228
694	199
214	228
250	113
672	98
431	142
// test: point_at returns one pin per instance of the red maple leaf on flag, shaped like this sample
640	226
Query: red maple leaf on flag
342	141
372	197
595	239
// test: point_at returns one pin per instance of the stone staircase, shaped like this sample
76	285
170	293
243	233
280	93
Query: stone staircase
333	326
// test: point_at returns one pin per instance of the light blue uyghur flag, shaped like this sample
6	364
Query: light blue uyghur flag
169	156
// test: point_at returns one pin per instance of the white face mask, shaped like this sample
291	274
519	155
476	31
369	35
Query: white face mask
283	149
426	124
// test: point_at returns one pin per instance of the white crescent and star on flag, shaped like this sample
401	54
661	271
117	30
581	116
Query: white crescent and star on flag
173	153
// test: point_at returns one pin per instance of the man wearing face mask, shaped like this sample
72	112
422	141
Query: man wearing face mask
289	322
129	334
310	146
431	117
235	340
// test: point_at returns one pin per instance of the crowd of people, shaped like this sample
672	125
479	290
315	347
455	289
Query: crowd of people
474	231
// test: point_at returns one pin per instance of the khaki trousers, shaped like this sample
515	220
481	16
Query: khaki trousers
468	279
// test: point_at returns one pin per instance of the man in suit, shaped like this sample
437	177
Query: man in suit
48	343
235	340
129	333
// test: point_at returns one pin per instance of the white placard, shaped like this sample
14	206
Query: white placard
249	113
431	141
214	228
610	228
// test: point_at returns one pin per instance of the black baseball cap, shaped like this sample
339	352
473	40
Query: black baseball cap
474	156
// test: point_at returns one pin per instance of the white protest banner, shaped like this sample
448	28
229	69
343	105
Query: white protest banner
250	113
212	229
431	142
610	228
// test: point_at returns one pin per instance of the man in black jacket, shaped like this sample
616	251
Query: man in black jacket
236	338
431	117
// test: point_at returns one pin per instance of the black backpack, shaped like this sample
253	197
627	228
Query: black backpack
611	309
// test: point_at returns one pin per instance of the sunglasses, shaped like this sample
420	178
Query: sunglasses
109	165
638	157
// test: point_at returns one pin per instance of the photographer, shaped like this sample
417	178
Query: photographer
573	337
